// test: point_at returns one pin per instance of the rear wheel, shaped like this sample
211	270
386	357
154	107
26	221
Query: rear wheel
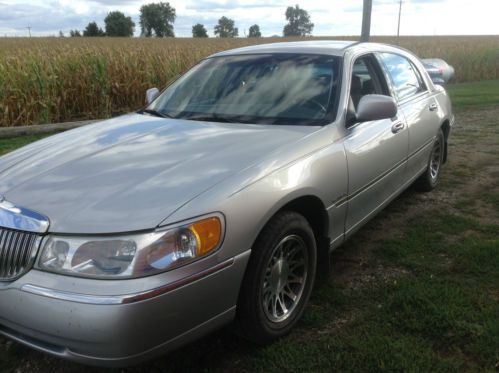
429	179
278	280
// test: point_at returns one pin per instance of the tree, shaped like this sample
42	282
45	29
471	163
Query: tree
157	17
254	32
298	22
117	24
74	33
225	28
199	31
93	30
61	34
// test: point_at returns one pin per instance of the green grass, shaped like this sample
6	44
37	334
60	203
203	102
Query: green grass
474	94
9	144
493	199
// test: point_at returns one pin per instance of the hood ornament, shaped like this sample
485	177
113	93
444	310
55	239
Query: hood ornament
21	218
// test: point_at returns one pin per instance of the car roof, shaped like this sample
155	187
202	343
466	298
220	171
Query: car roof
330	47
327	47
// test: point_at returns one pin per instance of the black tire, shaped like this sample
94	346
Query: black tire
254	320
429	179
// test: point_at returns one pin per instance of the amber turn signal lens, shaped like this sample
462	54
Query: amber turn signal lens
208	233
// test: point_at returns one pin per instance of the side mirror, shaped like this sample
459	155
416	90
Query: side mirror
151	95
375	107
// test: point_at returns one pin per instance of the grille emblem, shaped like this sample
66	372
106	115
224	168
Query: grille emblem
20	218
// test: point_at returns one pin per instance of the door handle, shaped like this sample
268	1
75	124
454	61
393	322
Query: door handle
397	127
433	107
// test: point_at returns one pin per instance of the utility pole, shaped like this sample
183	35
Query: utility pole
29	30
366	20
400	13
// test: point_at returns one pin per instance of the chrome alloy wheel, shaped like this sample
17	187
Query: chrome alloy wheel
285	278
436	159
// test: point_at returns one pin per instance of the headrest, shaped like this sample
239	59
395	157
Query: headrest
356	84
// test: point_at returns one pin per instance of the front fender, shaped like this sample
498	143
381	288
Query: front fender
322	174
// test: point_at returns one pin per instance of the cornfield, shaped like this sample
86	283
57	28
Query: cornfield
45	80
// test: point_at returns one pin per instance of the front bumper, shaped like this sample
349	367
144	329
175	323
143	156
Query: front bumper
45	312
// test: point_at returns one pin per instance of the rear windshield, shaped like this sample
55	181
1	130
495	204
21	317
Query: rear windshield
294	89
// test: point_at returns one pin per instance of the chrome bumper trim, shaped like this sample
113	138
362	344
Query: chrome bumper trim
125	298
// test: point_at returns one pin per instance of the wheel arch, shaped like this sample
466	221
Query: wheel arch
315	212
312	208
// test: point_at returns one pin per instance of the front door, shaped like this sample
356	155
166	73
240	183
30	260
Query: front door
376	151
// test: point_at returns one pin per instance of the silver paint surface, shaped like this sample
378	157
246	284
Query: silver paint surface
129	173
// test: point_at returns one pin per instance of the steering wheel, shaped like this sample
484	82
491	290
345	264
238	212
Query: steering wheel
317	104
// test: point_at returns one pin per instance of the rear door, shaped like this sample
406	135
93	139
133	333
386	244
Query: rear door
376	151
419	107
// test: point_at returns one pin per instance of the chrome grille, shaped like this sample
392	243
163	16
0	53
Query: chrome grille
17	252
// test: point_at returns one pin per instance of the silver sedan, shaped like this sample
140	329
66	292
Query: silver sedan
439	71
218	202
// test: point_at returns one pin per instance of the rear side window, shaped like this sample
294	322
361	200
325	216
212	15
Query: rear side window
406	80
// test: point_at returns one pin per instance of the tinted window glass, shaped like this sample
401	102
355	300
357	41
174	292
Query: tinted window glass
272	89
364	80
403	76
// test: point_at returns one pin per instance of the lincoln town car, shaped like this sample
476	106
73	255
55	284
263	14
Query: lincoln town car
217	203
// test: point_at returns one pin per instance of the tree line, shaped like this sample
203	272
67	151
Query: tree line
157	19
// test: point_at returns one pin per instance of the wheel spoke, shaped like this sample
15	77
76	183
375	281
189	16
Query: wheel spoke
266	298
290	294
283	306
293	279
284	278
267	289
292	252
274	305
435	160
296	264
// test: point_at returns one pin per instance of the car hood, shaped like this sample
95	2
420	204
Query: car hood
130	173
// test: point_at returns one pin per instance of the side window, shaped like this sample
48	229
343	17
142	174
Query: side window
405	78
366	80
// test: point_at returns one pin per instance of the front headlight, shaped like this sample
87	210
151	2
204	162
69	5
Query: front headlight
127	256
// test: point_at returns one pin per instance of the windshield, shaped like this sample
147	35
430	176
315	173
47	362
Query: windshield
294	89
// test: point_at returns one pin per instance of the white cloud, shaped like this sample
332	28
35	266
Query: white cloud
331	17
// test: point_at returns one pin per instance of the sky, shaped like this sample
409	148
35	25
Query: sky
331	17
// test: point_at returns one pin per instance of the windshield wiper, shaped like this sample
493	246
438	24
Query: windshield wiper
156	113
212	118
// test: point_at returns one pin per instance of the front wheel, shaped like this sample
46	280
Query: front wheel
429	179
278	280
